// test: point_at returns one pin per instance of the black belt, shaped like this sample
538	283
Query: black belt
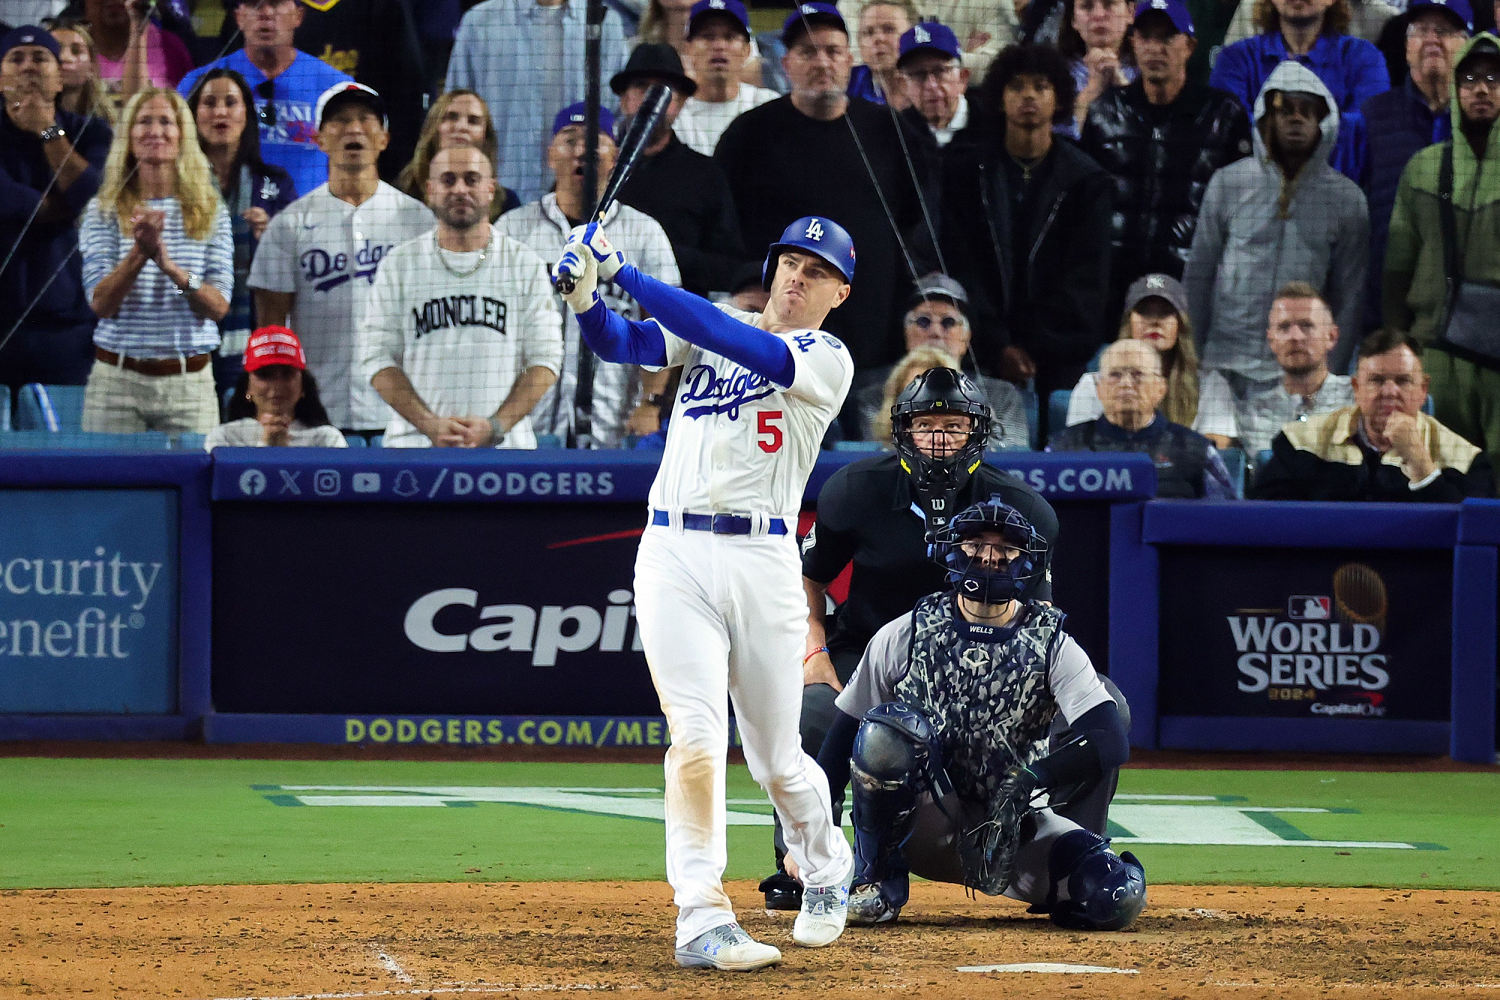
719	524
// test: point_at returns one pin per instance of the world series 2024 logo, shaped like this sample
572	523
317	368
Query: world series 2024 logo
1321	649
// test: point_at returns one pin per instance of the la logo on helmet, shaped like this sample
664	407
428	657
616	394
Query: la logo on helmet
921	36
814	231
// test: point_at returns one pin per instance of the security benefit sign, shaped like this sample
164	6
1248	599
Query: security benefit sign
448	609
1306	634
88	601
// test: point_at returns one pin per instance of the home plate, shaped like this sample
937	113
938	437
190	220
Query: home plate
1046	967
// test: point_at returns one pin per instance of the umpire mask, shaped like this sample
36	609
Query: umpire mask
969	575
938	477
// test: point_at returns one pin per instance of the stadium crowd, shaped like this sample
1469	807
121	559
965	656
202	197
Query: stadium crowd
1263	237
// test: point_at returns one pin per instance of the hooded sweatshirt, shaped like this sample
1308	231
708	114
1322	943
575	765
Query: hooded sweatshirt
1259	229
1415	291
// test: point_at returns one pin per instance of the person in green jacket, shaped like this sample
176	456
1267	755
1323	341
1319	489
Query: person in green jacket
1465	392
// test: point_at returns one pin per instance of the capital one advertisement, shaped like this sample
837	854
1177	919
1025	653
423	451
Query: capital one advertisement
88	602
1336	634
454	609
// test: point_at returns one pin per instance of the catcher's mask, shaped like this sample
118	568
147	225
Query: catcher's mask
940	390
970	576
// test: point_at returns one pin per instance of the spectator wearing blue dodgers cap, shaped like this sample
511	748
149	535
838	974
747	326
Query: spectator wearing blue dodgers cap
936	81
592	406
879	29
982	29
1161	138
52	162
718	42
1411	115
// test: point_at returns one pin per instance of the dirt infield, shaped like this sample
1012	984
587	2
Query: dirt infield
508	939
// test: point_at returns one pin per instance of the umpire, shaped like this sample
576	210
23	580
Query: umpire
875	513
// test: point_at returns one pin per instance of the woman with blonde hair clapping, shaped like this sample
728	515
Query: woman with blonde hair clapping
158	268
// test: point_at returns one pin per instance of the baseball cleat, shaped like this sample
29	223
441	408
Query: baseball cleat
821	920
868	907
727	947
782	893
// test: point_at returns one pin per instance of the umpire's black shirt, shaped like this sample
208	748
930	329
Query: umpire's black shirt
866	515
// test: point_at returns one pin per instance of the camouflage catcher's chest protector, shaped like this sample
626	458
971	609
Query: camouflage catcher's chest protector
986	691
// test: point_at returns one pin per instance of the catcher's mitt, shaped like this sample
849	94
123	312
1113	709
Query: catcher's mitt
989	850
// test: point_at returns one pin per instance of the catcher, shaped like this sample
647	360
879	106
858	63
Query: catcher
946	721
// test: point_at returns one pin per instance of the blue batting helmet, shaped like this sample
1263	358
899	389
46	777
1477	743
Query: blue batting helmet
815	235
1013	581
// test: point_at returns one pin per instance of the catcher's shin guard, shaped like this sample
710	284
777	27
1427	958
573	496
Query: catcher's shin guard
1105	891
893	753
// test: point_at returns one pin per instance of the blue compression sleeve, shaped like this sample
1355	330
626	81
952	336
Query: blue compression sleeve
699	321
615	338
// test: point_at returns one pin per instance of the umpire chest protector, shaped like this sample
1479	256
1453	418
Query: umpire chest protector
989	697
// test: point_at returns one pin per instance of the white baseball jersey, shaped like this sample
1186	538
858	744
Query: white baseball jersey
543	227
738	443
723	617
700	123
327	252
462	339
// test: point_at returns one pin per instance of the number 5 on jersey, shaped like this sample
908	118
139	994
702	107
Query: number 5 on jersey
768	430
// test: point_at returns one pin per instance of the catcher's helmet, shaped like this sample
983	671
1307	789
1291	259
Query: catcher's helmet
969	576
941	390
815	235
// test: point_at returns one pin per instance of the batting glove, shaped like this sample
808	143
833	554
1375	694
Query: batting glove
604	253
579	266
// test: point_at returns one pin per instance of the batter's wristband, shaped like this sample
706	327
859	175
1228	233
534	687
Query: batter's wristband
820	649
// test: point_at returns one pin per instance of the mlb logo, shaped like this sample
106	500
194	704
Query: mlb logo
1307	608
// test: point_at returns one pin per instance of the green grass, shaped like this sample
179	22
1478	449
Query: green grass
81	823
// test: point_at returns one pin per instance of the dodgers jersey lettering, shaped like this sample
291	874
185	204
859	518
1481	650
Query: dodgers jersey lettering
738	442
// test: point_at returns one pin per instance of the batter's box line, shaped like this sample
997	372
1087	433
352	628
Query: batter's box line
440	990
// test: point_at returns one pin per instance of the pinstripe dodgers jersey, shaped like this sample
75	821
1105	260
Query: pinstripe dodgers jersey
739	443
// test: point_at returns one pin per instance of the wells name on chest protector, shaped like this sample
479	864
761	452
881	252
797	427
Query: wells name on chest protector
989	694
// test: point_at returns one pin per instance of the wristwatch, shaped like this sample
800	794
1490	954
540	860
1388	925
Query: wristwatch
53	131
497	433
191	285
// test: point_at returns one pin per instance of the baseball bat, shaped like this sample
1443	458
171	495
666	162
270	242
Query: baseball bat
642	124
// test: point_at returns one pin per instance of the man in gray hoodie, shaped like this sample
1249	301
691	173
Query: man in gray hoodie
1279	216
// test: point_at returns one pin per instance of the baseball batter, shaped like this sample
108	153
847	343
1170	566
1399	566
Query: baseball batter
944	727
718	581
